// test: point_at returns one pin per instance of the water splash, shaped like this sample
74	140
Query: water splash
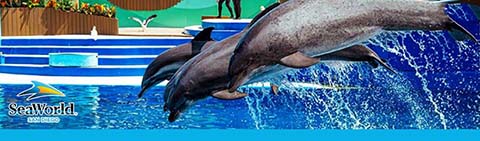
417	98
400	49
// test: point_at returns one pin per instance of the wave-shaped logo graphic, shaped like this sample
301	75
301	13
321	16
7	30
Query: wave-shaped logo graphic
39	90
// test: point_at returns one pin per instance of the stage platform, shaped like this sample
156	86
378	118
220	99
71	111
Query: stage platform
153	31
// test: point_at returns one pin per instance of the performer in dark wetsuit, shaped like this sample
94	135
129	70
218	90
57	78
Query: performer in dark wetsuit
238	8
220	3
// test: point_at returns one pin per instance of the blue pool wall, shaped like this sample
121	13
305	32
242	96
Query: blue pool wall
235	25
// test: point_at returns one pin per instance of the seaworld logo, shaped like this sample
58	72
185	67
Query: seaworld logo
42	109
39	90
33	110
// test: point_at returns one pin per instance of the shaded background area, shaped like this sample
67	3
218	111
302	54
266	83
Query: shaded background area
185	13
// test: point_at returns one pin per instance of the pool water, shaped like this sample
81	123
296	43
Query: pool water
436	88
344	99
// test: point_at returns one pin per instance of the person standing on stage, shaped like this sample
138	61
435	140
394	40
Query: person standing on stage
220	3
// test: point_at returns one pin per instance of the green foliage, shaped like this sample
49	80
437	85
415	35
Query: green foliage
64	5
35	3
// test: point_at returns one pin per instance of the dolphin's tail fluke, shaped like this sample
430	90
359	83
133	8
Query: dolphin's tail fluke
461	24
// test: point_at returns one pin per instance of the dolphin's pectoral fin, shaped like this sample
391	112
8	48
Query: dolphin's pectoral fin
274	89
384	64
375	60
298	60
225	95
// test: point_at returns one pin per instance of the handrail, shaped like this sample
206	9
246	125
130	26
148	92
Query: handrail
144	4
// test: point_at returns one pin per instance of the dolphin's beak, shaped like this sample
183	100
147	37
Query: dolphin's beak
176	111
173	116
144	89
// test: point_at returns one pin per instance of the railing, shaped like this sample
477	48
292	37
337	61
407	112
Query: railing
48	21
145	4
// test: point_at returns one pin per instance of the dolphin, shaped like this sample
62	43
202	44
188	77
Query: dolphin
168	62
177	103
358	53
183	90
207	74
325	26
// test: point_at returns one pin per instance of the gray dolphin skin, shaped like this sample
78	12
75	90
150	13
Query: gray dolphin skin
325	26
199	77
182	91
167	63
206	74
357	53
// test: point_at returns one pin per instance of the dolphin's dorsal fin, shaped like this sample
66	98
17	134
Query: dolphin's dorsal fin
225	95
298	60
200	39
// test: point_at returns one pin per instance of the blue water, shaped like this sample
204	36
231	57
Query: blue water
388	102
436	88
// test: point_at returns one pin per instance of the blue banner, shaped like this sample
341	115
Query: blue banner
243	135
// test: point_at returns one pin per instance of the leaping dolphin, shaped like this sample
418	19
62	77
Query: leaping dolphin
168	62
206	74
284	37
